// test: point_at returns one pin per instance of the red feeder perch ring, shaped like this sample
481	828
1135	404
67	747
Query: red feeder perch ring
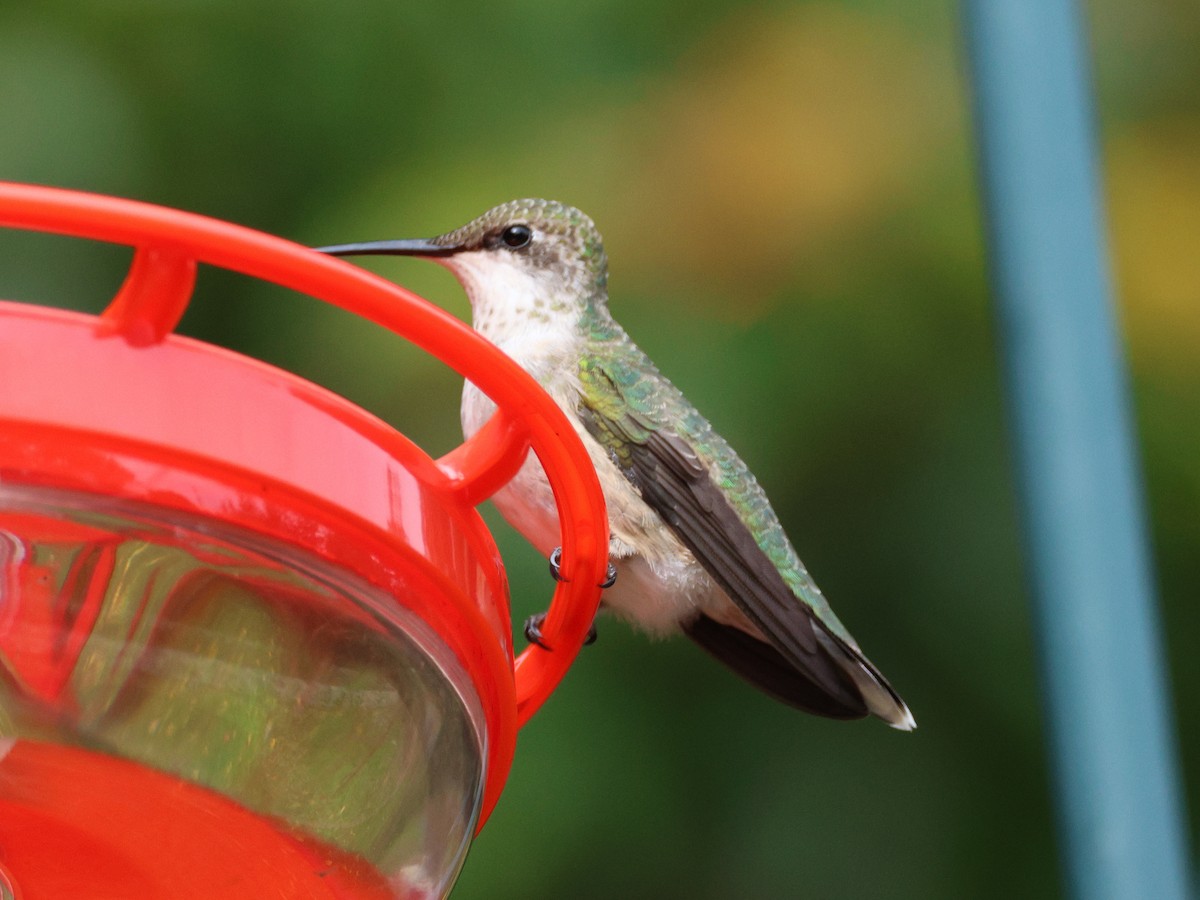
174	515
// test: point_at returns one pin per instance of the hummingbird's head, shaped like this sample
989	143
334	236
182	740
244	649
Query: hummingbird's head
535	257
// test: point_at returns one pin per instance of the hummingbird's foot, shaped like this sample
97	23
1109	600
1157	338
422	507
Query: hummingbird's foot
610	575
555	573
533	631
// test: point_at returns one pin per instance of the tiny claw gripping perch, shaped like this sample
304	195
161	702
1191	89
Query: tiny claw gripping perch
610	577
555	569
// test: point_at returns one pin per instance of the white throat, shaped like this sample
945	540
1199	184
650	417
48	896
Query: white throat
519	312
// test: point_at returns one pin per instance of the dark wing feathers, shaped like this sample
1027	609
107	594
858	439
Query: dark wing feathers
677	485
765	667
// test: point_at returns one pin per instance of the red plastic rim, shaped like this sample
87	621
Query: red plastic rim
168	245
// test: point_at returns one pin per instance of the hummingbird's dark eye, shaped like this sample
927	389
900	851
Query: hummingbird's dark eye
517	236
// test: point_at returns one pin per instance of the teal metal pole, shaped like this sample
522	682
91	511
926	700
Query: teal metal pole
1106	697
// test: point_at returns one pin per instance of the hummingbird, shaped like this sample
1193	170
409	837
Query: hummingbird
695	544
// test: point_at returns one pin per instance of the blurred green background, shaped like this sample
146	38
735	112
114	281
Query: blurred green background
788	198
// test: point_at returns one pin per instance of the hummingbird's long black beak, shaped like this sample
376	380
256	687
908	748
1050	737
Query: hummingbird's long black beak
418	247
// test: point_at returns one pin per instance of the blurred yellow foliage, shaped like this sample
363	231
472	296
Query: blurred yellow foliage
1154	190
779	133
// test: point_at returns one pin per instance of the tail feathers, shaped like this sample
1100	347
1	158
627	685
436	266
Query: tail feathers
881	698
842	684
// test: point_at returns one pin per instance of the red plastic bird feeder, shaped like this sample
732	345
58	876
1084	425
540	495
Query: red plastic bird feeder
253	642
